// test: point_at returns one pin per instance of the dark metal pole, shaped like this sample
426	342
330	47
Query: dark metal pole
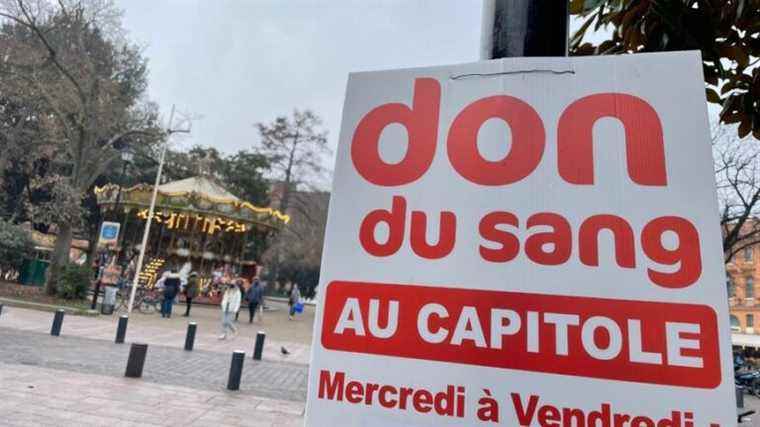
136	360
57	323
190	337
258	348
95	292
236	370
1	309
121	329
524	28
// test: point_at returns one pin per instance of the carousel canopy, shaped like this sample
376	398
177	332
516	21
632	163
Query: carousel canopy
196	198
200	185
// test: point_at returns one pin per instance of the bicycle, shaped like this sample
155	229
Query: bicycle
147	301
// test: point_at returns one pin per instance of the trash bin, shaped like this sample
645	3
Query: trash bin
109	300
33	272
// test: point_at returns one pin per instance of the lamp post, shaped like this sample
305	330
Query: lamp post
126	158
146	233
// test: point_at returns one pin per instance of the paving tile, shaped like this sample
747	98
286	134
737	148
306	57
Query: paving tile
132	403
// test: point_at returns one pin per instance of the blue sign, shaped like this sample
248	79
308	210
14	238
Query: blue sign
109	232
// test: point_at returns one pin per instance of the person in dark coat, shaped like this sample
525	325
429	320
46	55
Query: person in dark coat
191	290
171	288
254	296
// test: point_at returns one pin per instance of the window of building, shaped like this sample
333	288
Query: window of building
750	320
730	286
749	288
735	322
748	254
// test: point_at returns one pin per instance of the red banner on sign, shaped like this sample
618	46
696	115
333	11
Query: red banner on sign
638	341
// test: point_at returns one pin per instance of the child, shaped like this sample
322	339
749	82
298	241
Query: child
230	306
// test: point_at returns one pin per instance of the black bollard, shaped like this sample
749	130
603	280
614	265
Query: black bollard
136	360
236	370
1	309
121	329
190	337
57	323
739	397
258	349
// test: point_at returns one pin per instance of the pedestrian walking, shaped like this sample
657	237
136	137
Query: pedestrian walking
241	289
191	290
171	282
253	297
293	300
230	306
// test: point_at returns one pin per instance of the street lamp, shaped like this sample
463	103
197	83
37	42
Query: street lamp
126	158
151	209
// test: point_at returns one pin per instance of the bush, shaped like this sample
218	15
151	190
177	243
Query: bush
15	245
74	281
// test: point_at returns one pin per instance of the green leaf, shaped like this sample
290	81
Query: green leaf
712	96
576	7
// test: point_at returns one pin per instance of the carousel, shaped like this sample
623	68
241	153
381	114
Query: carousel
196	221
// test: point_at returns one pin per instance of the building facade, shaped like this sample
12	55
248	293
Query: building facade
742	282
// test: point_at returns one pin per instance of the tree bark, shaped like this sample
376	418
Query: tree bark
60	257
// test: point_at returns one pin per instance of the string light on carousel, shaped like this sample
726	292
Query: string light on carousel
196	220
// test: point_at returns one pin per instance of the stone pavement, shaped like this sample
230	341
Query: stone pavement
78	378
201	370
295	336
36	396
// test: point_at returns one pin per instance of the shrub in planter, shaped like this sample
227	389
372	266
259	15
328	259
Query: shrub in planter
74	281
15	245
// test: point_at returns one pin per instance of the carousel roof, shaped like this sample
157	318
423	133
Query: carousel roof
199	195
200	185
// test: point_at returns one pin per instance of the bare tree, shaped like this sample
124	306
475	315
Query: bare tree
91	86
737	174
296	148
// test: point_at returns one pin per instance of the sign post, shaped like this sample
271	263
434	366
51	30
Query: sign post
513	28
525	241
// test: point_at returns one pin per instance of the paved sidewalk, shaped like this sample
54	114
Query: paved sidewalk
200	370
35	396
152	329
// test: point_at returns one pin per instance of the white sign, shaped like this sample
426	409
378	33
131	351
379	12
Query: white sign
109	233
524	242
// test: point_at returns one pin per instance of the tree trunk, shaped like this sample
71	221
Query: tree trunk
60	257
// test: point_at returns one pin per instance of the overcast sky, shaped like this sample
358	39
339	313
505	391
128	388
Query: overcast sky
239	62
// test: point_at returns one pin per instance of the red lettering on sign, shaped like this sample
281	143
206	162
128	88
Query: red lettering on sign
395	220
560	239
686	254
622	234
447	231
527	147
645	152
509	243
421	123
